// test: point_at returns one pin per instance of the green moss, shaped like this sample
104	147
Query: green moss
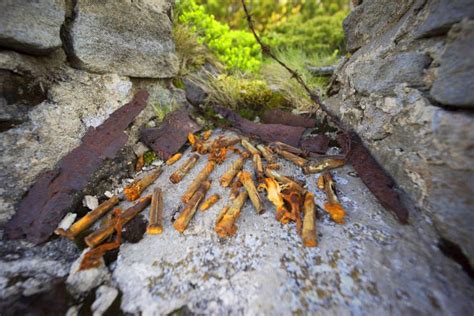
149	157
178	83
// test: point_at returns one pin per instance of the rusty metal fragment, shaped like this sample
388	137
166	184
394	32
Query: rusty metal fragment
374	177
332	206
317	144
56	191
179	174
181	223
173	159
172	134
200	178
266	153
135	189
323	165
248	184
277	116
207	204
225	224
100	235
89	219
237	165
266	132
309	221
155	223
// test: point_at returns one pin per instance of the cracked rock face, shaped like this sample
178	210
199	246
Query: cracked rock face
370	265
129	38
395	91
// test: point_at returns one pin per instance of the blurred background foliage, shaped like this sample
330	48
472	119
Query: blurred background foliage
300	32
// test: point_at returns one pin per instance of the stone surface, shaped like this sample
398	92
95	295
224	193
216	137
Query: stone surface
26	270
383	75
80	282
31	26
453	85
368	266
390	90
129	38
359	29
105	296
442	14
75	101
56	191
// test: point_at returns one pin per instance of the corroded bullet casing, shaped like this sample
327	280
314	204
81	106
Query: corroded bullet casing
266	153
155	223
100	235
179	174
297	160
200	178
290	184
332	206
237	165
181	223
309	221
173	159
207	204
89	219
323	165
225	224
248	184
251	148
134	190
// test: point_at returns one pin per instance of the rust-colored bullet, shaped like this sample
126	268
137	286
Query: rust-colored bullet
225	224
100	235
200	178
179	174
155	223
309	221
181	223
248	184
135	189
89	219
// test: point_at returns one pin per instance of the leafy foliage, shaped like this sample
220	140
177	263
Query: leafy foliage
237	49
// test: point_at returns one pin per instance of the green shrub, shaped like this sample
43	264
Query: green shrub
237	49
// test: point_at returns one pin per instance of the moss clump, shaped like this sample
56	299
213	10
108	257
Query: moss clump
149	157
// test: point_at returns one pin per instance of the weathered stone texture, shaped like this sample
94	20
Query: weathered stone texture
455	80
394	91
31	26
129	38
359	29
442	14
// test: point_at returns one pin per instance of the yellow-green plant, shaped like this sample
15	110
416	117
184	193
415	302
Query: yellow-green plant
237	49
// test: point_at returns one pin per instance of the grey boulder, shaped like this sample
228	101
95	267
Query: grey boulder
129	38
31	26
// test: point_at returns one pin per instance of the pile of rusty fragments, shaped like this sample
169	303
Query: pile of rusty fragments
287	194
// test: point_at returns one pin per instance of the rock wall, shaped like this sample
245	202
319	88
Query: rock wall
66	66
407	89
